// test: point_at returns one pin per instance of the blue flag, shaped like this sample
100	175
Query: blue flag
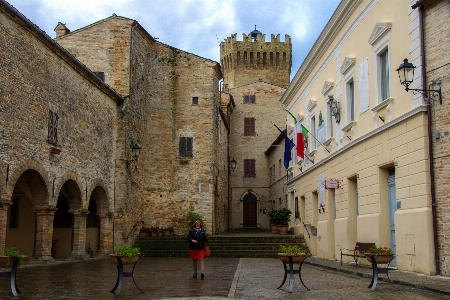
288	145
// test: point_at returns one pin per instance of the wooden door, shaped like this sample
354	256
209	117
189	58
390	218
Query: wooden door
250	211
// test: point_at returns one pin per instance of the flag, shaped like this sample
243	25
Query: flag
288	145
300	134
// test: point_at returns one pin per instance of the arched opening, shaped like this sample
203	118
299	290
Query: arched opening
62	229
250	203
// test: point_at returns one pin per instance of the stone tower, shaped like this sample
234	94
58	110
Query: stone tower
253	59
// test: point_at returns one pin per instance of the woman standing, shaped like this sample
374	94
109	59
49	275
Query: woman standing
197	239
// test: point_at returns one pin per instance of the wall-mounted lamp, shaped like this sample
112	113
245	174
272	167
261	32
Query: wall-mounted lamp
136	151
406	75
233	163
335	109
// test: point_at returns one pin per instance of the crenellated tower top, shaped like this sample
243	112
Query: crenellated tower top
253	59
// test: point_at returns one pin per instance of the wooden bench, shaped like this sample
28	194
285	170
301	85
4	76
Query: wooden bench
358	251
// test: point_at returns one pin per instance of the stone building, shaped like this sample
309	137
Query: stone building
368	176
58	124
88	99
171	110
434	31
256	74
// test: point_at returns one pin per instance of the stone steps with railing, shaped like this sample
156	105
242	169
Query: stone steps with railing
220	245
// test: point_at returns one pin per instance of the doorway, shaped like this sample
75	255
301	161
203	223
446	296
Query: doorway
250	210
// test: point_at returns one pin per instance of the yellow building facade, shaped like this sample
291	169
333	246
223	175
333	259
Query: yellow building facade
365	175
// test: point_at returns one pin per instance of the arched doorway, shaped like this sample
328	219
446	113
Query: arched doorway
62	229
250	209
92	228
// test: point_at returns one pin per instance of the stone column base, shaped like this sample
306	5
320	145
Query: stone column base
41	260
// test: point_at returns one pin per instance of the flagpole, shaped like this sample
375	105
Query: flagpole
307	130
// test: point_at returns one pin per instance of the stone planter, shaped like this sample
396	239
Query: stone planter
125	259
274	228
283	229
296	258
380	258
6	262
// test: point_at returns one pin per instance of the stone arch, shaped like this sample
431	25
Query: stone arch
249	204
70	186
35	176
98	190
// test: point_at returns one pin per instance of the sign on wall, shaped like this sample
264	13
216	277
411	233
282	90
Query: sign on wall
364	86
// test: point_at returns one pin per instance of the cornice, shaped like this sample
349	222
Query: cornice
337	21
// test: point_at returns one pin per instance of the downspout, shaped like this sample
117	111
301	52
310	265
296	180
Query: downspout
430	145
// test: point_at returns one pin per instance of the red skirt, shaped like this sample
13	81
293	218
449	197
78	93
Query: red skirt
197	254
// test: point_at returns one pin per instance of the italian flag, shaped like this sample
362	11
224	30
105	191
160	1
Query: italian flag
300	134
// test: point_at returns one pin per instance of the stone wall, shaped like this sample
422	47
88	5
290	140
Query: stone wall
437	41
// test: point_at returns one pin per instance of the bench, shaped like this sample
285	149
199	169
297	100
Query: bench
358	251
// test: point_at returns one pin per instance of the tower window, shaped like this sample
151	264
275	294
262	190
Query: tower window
194	100
185	147
249	126
250	99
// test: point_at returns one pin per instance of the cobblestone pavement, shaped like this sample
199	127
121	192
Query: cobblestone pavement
225	278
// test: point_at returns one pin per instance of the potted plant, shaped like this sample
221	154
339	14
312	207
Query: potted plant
168	231
192	217
145	231
128	254
9	256
382	255
156	230
286	250
284	216
273	215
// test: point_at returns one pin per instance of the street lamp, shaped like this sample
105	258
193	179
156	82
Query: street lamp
406	75
233	164
136	151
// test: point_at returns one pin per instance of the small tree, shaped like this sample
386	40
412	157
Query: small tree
192	217
273	215
284	216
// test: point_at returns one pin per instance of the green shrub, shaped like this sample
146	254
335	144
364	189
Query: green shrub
192	217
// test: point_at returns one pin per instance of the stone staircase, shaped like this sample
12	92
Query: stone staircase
235	243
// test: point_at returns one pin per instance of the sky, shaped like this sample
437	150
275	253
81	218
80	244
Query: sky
195	26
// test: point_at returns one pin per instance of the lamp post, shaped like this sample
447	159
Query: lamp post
233	164
406	75
136	151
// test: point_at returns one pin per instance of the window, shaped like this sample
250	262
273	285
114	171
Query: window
185	147
100	75
279	167
249	126
384	75
249	99
52	127
330	121
249	168
350	101
194	100
313	132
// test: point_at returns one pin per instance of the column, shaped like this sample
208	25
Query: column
79	235
106	233
4	206
44	234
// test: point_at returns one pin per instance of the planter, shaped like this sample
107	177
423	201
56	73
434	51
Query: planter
125	259
283	229
6	262
380	258
274	228
167	233
296	258
144	233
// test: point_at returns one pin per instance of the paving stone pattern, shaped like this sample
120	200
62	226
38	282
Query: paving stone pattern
225	278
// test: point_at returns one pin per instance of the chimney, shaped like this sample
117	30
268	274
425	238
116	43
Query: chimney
61	30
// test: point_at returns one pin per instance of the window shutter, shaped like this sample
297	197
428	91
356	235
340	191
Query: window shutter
252	98
249	126
182	147
249	168
246	99
189	142
186	147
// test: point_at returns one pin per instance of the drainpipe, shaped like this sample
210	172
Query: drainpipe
430	145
